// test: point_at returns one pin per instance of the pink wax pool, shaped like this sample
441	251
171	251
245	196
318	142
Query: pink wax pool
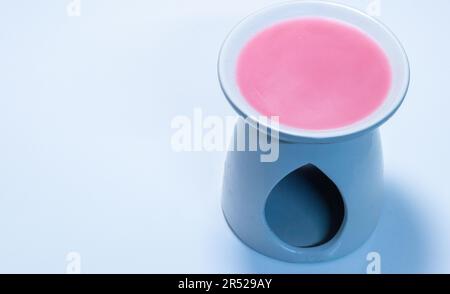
314	73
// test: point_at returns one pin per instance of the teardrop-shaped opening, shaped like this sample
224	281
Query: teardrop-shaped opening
305	209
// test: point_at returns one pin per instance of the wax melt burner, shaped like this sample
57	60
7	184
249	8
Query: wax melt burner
322	198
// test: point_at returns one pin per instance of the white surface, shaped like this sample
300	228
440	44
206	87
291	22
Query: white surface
85	158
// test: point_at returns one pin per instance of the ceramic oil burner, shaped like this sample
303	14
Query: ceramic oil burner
321	199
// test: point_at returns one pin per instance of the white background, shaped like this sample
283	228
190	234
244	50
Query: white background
86	163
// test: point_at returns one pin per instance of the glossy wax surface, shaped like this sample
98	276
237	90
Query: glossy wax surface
314	73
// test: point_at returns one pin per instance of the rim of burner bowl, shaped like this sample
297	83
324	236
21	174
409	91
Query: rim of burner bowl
271	15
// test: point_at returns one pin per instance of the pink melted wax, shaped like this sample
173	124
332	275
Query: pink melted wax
314	73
